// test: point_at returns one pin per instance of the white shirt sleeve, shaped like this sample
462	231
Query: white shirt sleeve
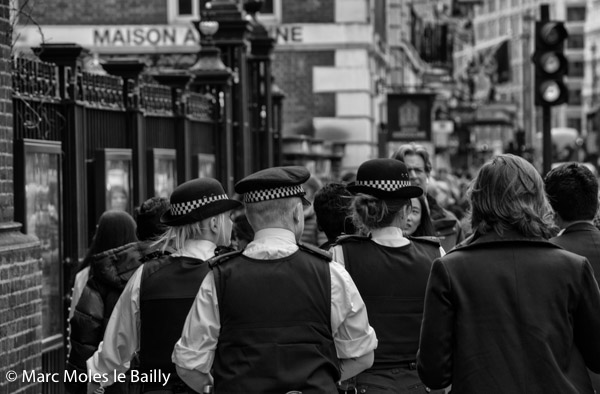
195	349
352	334
121	338
337	254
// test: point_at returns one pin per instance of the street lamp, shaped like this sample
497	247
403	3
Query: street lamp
211	76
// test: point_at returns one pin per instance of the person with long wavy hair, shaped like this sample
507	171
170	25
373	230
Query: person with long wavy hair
507	311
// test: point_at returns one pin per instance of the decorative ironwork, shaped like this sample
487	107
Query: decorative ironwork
200	106
35	99
155	98
100	90
35	79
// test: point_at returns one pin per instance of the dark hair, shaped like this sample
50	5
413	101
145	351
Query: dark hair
413	149
332	207
426	226
369	213
147	216
508	192
572	190
242	230
115	228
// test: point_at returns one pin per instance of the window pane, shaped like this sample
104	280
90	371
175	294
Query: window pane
165	177
575	69
574	123
117	187
575	13
575	41
43	220
267	7
575	97
185	7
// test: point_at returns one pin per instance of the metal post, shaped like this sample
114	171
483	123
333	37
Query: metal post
547	138
527	105
546	112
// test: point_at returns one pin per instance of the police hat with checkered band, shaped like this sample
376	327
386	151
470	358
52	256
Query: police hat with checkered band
274	183
385	179
196	200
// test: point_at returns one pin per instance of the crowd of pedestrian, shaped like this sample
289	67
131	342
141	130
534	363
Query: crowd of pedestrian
393	279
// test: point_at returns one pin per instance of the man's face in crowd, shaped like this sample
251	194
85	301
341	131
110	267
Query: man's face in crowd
416	170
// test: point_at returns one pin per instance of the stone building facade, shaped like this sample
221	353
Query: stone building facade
20	264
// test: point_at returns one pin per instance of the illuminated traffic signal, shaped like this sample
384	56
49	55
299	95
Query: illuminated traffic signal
551	65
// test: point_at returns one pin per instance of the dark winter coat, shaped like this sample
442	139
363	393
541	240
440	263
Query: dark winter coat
510	314
109	273
446	225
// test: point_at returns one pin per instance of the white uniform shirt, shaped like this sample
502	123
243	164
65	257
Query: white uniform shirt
352	334
121	338
386	236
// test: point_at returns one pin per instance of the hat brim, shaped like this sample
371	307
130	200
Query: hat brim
405	192
204	212
305	202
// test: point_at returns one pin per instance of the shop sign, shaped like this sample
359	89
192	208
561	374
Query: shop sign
409	116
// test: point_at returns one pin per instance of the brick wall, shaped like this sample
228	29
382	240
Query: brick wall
293	72
308	11
101	12
20	265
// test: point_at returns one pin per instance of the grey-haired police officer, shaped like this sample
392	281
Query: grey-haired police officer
277	316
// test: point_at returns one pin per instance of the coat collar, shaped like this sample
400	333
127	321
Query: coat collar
492	238
580	226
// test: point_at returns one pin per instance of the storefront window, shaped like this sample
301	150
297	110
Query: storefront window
117	185
43	220
164	171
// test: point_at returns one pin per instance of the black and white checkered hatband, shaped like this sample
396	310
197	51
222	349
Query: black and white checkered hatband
183	208
273	194
387	185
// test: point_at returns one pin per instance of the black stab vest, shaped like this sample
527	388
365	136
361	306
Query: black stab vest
275	326
168	288
392	282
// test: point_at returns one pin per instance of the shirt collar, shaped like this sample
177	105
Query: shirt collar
389	236
281	233
199	249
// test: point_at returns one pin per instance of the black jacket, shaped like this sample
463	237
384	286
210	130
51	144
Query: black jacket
109	273
510	315
584	240
447	227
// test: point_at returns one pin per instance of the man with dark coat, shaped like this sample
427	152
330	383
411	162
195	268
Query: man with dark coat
573	193
507	311
277	316
446	225
151	311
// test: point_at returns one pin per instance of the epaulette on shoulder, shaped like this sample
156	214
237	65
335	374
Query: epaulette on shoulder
220	259
316	251
427	239
350	238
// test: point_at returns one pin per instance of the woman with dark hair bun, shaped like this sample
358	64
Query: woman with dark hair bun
390	272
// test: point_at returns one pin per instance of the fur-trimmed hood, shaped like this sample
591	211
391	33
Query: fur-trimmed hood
114	267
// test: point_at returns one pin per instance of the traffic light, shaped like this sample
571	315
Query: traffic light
551	65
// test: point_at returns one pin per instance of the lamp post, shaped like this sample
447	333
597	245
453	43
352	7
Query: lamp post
211	76
260	91
278	96
231	39
593	66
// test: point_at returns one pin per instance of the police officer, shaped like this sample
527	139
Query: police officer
151	310
278	316
390	271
